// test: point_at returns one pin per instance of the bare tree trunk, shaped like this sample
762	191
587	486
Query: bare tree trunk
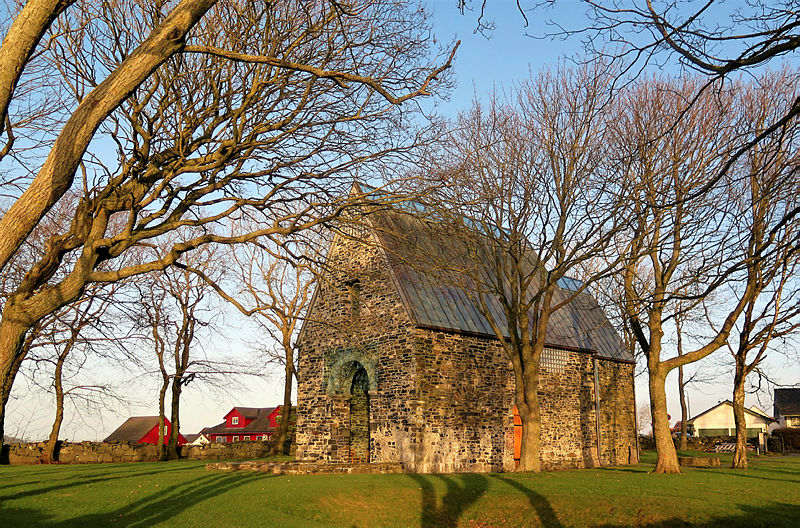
667	461
278	446
172	443
527	399
681	384
58	170
740	452
162	394
49	451
684	411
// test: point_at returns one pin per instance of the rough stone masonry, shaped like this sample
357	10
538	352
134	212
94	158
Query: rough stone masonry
376	384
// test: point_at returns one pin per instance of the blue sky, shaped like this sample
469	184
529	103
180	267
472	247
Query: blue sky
499	58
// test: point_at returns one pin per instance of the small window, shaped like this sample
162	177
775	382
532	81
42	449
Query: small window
235	439
220	439
259	438
246	438
235	420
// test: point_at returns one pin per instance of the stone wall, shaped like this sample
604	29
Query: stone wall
112	452
617	413
439	401
462	405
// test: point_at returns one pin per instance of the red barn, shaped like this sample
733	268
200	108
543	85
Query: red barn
245	424
142	429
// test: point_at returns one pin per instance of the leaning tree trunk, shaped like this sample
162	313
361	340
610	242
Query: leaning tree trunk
48	456
667	461
279	444
172	443
12	352
50	449
740	451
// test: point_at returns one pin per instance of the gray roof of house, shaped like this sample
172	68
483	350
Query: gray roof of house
438	300
787	401
133	429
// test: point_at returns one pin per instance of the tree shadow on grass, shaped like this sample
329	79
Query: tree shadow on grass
462	490
544	510
10	516
169	502
771	515
73	482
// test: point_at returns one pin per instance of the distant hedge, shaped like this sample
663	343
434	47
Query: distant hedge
791	437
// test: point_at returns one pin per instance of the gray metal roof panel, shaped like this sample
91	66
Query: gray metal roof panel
439	300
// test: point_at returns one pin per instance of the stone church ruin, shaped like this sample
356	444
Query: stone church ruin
397	367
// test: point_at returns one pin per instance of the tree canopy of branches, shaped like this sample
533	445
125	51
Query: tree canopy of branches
763	197
212	109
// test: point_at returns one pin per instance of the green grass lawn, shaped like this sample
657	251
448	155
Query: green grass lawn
184	494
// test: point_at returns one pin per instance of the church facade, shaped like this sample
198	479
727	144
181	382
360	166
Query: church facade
394	367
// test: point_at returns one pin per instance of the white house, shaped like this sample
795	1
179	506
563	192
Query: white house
197	439
719	421
787	407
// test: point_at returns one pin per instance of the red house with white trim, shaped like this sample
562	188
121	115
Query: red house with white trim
142	429
254	424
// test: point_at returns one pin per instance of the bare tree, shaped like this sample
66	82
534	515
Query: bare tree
175	308
763	197
687	238
267	104
82	326
644	419
279	287
525	187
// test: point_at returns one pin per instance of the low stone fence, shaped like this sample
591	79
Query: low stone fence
102	452
229	451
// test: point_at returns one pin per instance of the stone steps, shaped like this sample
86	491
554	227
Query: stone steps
295	467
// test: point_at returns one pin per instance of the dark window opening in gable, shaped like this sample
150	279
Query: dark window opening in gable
354	288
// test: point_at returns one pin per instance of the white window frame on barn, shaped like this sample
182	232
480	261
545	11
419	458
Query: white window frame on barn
235	420
235	439
220	439
246	438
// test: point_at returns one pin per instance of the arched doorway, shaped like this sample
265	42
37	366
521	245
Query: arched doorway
359	415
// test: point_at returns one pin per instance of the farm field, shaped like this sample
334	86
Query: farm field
186	494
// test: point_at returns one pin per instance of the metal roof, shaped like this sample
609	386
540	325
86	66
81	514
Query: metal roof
438	299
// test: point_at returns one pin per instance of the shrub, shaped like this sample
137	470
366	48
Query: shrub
790	436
